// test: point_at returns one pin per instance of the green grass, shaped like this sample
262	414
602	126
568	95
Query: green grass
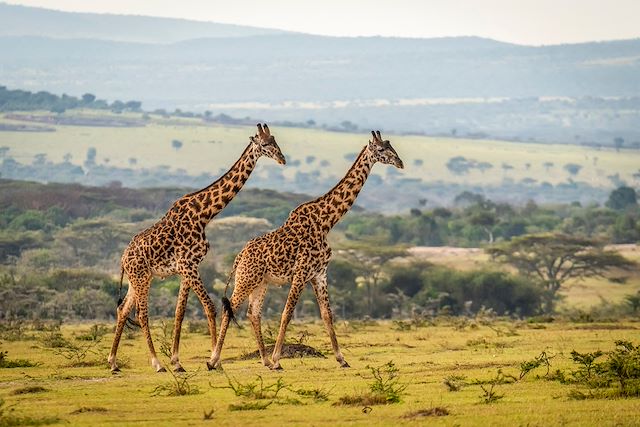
424	358
211	148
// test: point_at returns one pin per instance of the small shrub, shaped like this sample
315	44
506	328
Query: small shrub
95	333
386	382
317	394
180	385
455	382
29	390
17	363
249	406
208	415
14	420
255	389
541	360
437	411
76	354
54	339
385	388
489	394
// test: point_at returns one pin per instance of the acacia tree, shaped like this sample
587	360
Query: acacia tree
555	258
370	260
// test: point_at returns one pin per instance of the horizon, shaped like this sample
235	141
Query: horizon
497	20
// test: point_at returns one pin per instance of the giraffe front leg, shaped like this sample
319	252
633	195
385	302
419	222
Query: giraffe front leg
294	294
183	297
122	313
320	289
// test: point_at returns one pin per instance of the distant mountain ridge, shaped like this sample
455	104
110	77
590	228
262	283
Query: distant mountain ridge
369	81
31	21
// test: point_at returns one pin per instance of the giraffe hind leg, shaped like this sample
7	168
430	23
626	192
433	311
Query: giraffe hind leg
319	285
254	313
122	315
294	294
142	285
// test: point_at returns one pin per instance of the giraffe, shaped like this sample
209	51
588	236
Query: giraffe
298	252
176	244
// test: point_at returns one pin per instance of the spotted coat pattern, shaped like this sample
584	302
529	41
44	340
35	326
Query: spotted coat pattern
298	253
176	244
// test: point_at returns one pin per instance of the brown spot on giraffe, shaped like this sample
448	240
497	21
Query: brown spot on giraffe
298	252
176	244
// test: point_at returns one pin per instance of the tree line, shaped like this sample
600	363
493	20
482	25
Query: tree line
23	100
60	247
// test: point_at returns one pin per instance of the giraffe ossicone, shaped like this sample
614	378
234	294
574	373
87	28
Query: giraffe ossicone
176	244
298	252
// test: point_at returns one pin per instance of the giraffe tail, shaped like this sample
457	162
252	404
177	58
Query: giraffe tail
226	304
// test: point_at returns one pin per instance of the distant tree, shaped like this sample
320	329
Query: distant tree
506	167
176	144
459	165
486	220
310	159
572	168
618	142
371	259
484	166
133	105
348	126
88	98
621	198
547	166
467	198
418	162
91	156
555	258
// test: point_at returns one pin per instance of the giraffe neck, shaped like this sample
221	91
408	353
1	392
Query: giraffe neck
340	198
205	204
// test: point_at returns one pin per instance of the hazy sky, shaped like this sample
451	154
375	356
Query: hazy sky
532	22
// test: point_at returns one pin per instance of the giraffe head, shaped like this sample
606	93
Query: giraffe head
265	144
382	151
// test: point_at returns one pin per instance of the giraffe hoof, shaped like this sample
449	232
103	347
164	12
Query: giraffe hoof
161	369
214	366
344	364
115	371
277	368
179	369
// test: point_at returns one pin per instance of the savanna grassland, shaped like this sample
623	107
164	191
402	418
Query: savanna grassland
208	148
445	371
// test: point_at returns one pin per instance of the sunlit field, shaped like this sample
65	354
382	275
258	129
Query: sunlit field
468	354
209	148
